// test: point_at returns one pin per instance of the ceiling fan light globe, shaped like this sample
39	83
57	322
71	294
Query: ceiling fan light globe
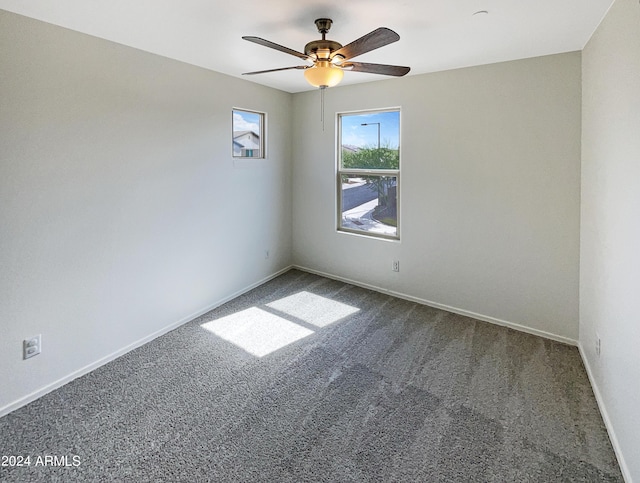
323	74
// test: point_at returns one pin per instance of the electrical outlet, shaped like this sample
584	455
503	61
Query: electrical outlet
31	347
598	344
395	266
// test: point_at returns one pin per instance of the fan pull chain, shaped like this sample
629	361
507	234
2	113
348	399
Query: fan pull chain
322	88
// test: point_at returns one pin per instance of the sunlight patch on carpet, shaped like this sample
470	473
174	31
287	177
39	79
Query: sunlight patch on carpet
256	331
313	309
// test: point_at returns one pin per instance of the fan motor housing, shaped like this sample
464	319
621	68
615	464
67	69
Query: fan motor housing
315	45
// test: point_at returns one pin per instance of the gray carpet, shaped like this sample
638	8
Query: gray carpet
309	379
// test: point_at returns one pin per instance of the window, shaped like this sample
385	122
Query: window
369	172
248	134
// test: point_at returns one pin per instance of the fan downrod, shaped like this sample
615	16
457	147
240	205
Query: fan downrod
322	48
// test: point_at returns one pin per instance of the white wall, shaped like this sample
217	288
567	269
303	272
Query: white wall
490	191
121	209
610	231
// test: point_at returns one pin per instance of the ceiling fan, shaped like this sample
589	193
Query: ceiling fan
328	59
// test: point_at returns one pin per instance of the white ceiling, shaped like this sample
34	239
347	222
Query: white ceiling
435	35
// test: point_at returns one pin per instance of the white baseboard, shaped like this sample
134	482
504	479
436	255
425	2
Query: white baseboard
626	474
455	310
23	401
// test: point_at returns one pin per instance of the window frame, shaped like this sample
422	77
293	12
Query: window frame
341	171
262	134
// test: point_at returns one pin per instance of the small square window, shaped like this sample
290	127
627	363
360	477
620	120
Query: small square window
248	134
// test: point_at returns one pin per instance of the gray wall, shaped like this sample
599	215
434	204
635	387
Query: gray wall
122	211
489	194
610	225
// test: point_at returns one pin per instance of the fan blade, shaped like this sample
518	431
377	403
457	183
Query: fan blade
281	48
276	70
373	40
383	69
